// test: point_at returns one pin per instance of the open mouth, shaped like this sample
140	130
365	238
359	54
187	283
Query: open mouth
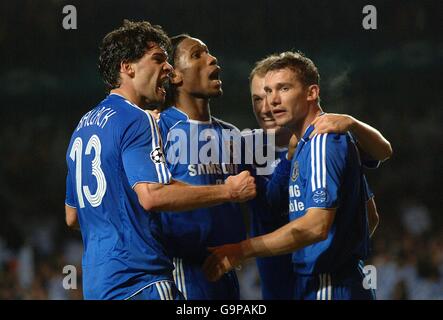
163	85
215	75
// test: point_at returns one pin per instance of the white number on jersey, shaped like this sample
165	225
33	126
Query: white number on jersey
76	155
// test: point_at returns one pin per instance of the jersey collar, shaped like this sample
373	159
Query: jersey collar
303	140
190	120
308	132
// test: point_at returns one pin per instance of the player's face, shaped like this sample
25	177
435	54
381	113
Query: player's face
151	72
198	69
287	97
261	107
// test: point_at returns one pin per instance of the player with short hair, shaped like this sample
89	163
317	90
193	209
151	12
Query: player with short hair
117	175
194	82
279	285
328	234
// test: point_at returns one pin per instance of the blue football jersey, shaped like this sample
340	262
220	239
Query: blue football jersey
271	209
326	173
196	154
276	273
115	146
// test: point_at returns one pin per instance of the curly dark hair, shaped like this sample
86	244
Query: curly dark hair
128	43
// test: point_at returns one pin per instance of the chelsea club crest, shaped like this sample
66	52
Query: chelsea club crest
295	171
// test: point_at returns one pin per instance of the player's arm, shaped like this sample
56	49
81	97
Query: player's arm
311	228
145	167
373	217
369	139
178	196
71	217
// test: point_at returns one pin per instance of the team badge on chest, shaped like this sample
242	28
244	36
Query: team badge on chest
295	171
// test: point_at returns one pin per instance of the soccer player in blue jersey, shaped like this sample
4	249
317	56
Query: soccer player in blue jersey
279	285
329	232
194	82
117	175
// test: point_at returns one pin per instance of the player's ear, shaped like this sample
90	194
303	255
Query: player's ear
313	92
127	68
176	77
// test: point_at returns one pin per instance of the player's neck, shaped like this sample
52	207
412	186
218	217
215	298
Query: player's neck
300	128
195	108
282	138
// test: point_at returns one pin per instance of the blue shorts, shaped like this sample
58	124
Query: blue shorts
346	285
160	290
191	281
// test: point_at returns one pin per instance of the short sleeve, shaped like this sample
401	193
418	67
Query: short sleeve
70	185
326	163
142	152
366	160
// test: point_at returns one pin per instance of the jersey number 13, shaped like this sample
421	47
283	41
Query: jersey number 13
76	155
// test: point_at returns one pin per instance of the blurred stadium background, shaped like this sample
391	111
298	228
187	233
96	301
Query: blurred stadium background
390	78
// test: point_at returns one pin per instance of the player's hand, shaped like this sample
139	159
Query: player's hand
222	259
332	123
241	187
292	145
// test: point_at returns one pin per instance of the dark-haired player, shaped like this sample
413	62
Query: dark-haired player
117	175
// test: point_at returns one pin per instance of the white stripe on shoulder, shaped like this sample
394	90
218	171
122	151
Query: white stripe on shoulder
164	169
156	136
324	173
317	161
153	146
312	163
